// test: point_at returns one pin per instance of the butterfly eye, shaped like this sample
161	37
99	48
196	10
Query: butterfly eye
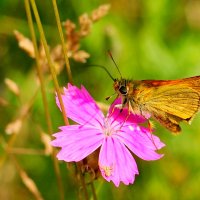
123	90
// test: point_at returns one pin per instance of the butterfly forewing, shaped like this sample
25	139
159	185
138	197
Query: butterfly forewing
169	102
176	100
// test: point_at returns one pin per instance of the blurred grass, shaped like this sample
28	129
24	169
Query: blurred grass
158	40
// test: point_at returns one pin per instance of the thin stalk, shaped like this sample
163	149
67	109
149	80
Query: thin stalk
7	147
39	70
44	97
25	151
64	47
65	52
28	182
13	137
93	190
82	180
51	66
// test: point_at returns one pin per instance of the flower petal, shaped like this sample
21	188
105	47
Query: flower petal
124	115
80	107
77	142
151	139
140	141
116	162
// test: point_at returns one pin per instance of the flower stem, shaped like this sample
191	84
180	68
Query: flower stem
82	180
51	65
93	190
64	47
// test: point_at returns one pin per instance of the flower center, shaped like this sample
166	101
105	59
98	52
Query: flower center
108	130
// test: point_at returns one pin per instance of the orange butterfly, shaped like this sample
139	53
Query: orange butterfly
168	101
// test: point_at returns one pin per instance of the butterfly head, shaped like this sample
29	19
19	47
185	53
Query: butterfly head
121	86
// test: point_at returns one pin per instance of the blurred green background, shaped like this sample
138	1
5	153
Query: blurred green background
149	40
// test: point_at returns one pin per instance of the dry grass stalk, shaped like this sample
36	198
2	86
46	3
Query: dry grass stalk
25	43
74	34
45	138
74	37
12	86
14	127
30	184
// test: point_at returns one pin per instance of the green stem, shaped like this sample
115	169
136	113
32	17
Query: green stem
82	180
93	190
64	47
51	66
39	70
44	97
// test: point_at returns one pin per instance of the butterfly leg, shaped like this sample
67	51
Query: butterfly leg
127	114
122	105
129	107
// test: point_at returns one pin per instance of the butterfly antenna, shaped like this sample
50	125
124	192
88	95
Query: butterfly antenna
110	54
104	69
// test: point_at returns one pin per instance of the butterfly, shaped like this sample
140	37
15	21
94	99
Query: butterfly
167	101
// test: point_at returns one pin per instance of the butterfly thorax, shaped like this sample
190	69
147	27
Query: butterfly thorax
126	88
128	91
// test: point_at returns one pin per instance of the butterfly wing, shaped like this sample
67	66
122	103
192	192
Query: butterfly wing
170	102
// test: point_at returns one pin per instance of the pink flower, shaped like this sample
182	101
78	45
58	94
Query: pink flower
115	136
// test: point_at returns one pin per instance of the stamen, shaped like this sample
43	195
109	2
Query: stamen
107	170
